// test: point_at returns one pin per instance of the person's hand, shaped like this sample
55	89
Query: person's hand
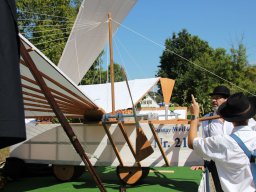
194	110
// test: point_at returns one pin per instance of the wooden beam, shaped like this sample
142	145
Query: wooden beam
171	121
58	94
120	124
68	115
48	108
68	91
37	105
60	86
66	126
51	111
35	100
113	144
112	73
158	143
60	103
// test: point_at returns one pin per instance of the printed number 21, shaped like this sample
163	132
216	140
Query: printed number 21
178	142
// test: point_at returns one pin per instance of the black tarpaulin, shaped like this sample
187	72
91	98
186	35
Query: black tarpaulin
12	125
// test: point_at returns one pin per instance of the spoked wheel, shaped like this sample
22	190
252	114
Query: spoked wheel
67	172
129	175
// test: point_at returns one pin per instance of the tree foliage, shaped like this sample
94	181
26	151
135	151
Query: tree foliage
97	74
47	23
198	68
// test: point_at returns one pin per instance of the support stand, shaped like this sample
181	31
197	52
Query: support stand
63	121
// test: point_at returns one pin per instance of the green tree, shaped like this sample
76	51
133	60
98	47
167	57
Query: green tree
197	69
117	72
97	75
180	61
47	23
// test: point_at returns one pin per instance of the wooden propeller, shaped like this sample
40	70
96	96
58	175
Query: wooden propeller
143	146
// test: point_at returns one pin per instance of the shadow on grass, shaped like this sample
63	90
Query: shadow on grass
155	181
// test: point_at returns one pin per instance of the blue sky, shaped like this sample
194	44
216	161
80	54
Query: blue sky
222	23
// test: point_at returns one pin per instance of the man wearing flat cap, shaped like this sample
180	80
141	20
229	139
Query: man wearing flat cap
232	163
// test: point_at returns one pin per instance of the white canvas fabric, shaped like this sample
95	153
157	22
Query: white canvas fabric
90	35
101	93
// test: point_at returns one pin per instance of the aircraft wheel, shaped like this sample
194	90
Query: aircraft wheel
67	172
129	175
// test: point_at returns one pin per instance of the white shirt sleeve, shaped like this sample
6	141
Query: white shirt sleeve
210	147
215	128
252	124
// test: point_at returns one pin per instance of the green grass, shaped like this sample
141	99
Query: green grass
183	179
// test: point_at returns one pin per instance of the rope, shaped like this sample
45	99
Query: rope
45	20
42	14
50	41
46	25
163	47
46	30
47	35
131	58
120	56
42	50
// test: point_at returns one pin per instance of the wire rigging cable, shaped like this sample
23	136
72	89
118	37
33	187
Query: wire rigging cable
131	57
91	26
33	13
163	47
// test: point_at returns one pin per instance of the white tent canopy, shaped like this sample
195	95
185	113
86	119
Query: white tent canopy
101	93
90	35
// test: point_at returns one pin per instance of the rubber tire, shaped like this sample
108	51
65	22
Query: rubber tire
14	168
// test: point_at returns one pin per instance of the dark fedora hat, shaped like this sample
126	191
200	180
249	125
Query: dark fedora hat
221	90
238	107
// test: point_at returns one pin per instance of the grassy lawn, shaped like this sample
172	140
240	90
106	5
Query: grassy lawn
181	179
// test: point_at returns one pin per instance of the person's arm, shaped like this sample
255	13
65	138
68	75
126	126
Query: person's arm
192	134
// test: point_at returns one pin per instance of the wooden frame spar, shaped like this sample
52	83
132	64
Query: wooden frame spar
50	95
128	175
173	121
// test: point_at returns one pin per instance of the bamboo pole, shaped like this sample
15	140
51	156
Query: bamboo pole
112	75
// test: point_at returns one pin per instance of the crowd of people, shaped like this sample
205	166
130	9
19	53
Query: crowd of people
224	158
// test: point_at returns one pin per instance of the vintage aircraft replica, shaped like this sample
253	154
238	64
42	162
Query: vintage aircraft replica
107	134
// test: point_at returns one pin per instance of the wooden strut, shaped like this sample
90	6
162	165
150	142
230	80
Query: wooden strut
209	118
112	73
120	124
158	143
113	144
128	175
183	121
143	146
66	126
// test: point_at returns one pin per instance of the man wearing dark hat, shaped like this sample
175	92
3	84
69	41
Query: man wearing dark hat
216	127
232	163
